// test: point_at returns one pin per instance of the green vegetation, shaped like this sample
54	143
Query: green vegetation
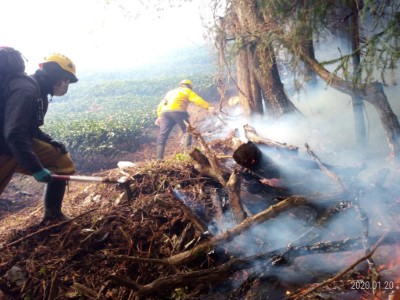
106	113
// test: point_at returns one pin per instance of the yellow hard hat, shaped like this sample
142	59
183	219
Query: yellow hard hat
64	62
186	82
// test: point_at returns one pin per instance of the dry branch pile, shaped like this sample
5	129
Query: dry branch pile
209	228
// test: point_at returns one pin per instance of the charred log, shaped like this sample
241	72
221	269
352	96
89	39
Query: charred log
251	157
267	164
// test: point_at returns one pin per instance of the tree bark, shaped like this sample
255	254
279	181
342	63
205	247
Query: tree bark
243	76
258	75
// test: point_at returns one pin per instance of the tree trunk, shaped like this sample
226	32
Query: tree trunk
257	69
307	40
266	71
243	77
358	104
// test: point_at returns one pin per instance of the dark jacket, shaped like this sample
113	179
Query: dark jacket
22	113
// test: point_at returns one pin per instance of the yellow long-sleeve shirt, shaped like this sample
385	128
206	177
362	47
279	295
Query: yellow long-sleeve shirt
178	100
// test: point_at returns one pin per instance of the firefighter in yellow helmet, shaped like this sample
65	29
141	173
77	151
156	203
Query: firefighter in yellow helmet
172	111
24	147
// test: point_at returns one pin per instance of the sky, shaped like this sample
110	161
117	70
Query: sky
95	34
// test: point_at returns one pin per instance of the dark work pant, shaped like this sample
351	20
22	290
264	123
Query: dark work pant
167	122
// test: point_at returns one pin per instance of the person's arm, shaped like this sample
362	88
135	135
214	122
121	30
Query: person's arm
197	100
40	135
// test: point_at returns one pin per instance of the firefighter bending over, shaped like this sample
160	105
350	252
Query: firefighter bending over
172	111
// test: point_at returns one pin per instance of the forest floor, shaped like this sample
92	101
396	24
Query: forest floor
118	249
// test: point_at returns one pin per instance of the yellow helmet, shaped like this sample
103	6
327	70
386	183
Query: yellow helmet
186	82
64	62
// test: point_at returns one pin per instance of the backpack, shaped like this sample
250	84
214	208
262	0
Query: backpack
11	63
12	66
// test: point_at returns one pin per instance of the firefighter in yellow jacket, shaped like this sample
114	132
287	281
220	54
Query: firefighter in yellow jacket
172	110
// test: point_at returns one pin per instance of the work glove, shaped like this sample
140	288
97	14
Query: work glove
211	110
43	175
59	145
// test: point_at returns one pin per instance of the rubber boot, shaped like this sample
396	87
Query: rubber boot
52	202
160	151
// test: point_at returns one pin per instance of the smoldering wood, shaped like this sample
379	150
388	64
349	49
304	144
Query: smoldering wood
249	155
340	274
324	216
273	211
233	136
262	261
252	157
291	152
